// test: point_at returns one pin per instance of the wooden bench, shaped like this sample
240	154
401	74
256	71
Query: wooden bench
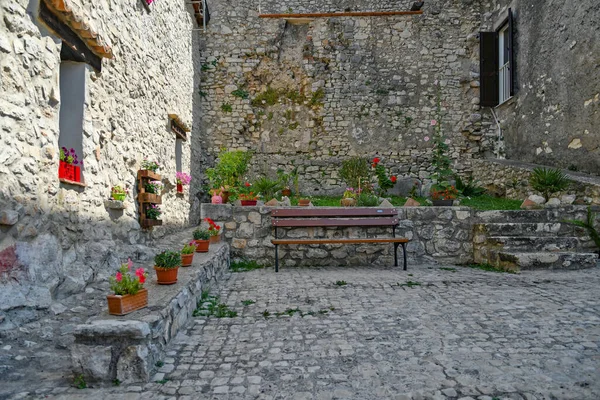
337	217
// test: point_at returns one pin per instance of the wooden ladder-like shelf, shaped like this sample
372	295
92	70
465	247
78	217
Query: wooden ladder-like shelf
146	199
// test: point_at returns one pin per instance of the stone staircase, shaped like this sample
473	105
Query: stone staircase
536	239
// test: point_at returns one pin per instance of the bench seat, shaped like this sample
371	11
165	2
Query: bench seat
337	218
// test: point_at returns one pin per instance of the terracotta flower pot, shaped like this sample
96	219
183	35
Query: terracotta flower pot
179	188
202	246
166	276
442	203
215	239
225	197
187	259
286	192
248	202
124	304
349	202
303	202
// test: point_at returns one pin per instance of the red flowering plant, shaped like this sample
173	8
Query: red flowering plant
385	183
213	229
125	282
448	193
245	192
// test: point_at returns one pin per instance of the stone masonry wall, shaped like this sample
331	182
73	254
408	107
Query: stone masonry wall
56	238
553	118
312	95
441	233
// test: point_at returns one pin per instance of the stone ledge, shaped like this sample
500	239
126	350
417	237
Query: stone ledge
127	348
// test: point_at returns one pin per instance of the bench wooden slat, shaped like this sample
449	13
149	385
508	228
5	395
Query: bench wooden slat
333	212
338	241
322	222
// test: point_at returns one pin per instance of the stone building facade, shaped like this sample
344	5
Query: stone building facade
54	237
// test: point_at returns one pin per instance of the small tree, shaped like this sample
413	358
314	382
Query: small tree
442	171
548	181
355	172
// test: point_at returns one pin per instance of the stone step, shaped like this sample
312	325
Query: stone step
526	229
546	260
532	216
535	243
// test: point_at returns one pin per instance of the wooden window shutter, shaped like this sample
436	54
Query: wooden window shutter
511	51
488	69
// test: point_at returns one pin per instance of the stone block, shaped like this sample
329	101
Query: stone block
412	203
8	217
115	204
404	186
217	212
133	365
238	243
254	217
246	230
93	362
113	329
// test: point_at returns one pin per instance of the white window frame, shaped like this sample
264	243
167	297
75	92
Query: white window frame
503	68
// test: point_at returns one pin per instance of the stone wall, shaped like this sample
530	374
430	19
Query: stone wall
312	95
553	119
435	233
55	238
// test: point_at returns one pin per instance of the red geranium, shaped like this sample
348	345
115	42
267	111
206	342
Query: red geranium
376	160
394	179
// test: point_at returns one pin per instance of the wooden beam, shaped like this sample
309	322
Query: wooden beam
343	14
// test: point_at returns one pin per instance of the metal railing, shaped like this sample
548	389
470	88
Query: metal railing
504	79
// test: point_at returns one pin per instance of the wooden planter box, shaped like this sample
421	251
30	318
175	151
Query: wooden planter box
148	223
122	305
145	173
149	198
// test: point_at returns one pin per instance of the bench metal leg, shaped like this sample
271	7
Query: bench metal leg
396	254
404	252
276	258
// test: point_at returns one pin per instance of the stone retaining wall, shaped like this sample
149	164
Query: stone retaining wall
127	348
440	233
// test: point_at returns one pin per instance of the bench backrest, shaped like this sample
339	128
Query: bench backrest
333	216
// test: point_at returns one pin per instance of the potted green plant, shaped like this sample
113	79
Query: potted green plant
349	197
231	166
166	265
284	181
119	193
187	254
202	240
246	195
128	290
444	197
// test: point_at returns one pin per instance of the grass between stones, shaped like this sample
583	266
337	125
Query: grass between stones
248	302
245	265
292	311
341	283
408	284
209	306
79	382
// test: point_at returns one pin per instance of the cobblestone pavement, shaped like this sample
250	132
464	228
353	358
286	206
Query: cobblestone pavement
429	333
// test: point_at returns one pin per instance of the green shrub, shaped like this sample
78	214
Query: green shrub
168	259
201	234
267	187
242	94
548	181
367	200
226	107
588	224
270	97
469	188
230	167
355	169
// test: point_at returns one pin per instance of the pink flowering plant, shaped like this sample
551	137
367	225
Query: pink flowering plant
183	178
351	193
127	281
154	187
153	211
150	165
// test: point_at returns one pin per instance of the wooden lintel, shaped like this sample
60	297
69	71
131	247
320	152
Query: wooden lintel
343	14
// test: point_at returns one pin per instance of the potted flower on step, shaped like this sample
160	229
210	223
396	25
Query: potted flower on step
187	254
166	265
183	179
128	290
202	240
214	230
118	193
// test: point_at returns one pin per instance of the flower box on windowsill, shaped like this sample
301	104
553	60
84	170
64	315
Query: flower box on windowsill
149	198
69	182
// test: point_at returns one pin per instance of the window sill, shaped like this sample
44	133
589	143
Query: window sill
68	182
506	102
